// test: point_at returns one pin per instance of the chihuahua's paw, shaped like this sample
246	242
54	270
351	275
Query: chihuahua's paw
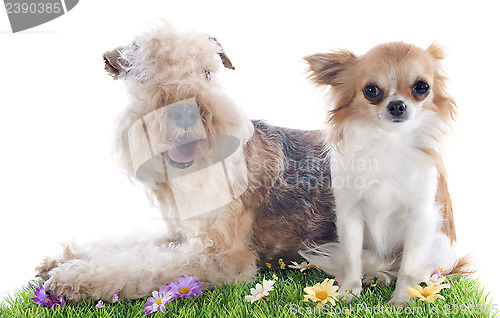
399	300
75	280
348	291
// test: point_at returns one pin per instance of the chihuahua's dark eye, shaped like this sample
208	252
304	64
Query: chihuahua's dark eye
421	87
420	90
373	93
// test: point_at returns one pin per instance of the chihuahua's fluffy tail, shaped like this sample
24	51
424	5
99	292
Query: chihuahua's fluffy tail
328	258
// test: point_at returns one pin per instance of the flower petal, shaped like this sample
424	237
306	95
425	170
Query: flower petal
331	300
310	291
429	290
183	281
433	297
156	295
413	292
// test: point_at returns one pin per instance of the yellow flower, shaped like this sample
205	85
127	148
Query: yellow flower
268	265
302	266
275	277
322	292
427	294
281	263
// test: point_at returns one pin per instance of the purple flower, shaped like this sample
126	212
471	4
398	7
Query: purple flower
115	298
41	297
159	299
186	287
56	301
49	300
100	304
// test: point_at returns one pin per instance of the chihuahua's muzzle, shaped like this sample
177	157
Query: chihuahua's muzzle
398	111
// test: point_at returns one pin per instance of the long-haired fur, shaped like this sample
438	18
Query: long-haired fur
406	194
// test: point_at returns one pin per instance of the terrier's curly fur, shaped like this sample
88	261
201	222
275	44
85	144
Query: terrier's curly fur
286	206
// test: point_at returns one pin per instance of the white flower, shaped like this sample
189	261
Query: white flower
302	266
260	291
435	280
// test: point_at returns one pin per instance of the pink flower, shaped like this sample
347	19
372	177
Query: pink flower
100	304
115	298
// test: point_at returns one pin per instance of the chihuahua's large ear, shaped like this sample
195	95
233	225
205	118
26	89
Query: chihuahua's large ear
114	63
436	51
327	68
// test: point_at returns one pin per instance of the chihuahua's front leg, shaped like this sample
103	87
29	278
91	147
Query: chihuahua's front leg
350	227
422	227
411	270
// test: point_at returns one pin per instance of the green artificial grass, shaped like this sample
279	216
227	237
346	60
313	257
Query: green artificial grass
465	298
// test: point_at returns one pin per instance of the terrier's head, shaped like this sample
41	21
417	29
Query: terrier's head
176	101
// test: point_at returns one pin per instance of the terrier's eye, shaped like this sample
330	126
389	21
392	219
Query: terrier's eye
421	87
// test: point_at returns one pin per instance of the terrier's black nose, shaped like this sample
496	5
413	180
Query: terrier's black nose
184	116
396	108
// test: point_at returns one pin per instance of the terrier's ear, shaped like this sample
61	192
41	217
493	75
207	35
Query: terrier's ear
327	68
225	60
114	63
436	51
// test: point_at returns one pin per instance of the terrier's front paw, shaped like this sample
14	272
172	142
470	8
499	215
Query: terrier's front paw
75	280
46	265
69	251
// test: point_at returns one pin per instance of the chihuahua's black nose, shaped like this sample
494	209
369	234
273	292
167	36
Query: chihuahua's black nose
184	116
397	108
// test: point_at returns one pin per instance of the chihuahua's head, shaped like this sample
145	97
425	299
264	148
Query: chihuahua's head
392	87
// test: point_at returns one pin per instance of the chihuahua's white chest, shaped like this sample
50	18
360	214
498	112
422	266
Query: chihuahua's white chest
384	183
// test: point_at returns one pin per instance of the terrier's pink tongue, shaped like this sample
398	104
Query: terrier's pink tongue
183	153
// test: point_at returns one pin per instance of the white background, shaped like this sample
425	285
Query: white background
57	107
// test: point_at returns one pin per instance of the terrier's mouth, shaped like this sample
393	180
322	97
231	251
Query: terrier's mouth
181	154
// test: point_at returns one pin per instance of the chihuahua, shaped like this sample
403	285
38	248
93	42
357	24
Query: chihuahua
389	113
